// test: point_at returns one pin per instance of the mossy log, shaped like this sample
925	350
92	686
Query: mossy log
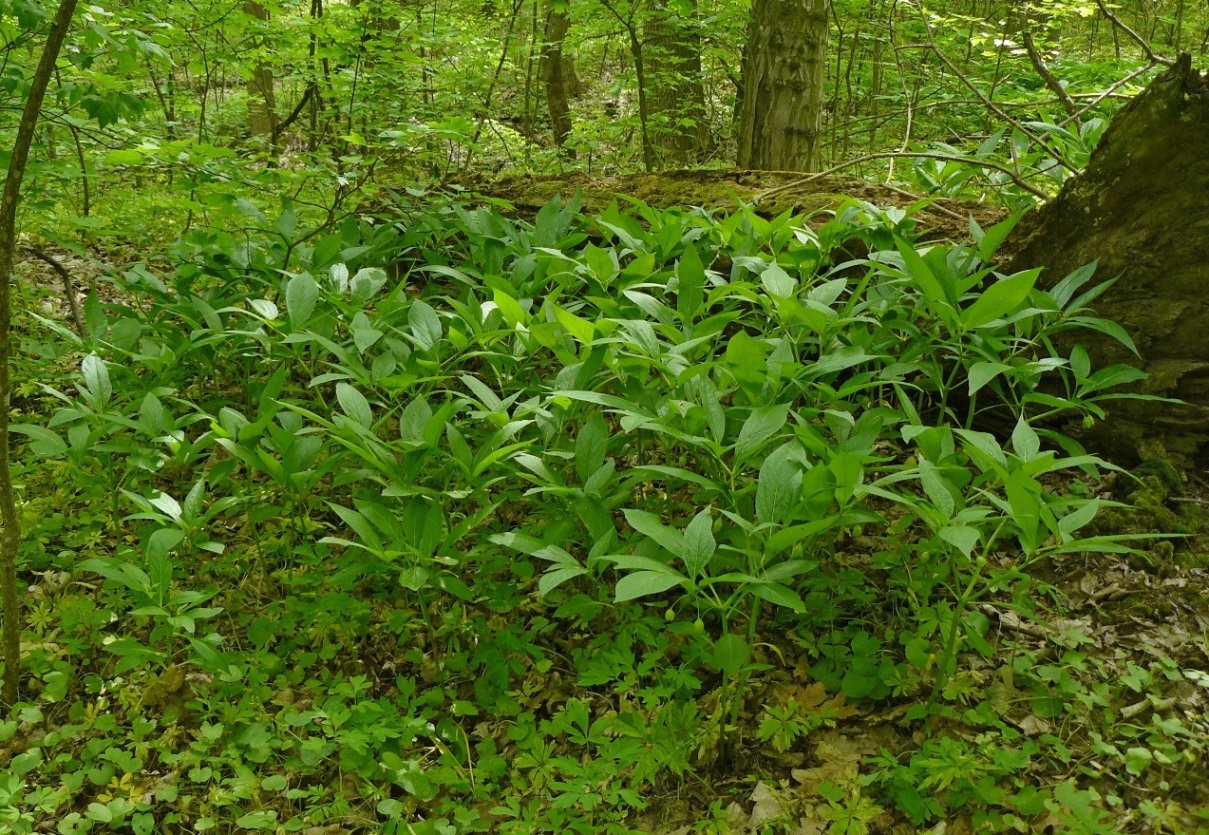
1141	209
768	193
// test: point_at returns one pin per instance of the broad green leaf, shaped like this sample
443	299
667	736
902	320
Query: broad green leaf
663	472
648	524
988	243
1114	375
366	283
633	562
818	492
745	358
359	525
365	337
191	507
1080	516
509	308
644	583
43	442
257	820
1138	760
1080	362
1064	290
1024	500
414	421
159	561
779	595
354	405
777	282
96	380
591	444
731	654
963	537
301	294
425	324
937	488
1025	441
170	506
981	373
690	287
924	278
779	487
152	413
581	329
999	299
123	156
338	277
762	424
699	543
555	577
985	443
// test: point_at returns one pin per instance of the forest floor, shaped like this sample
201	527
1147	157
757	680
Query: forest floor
357	691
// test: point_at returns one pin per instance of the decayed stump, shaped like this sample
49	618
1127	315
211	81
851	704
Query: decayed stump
1142	210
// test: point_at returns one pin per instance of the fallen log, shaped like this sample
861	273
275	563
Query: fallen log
768	193
1141	209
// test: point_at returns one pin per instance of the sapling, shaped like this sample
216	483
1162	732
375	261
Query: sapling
10	539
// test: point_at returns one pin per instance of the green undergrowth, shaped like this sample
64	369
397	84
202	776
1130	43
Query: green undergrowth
452	523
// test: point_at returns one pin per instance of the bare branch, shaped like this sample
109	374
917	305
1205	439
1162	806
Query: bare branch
69	290
1034	56
1138	39
990	105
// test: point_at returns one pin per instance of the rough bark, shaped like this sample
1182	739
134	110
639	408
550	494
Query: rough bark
1141	208
553	69
679	129
784	70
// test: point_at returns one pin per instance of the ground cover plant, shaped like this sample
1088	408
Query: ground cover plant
447	522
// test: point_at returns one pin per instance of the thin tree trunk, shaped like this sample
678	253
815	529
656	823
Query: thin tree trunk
675	95
10	539
557	103
784	70
262	100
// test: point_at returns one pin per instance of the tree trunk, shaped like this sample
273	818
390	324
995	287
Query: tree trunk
10	537
554	76
784	70
676	94
262	101
1142	210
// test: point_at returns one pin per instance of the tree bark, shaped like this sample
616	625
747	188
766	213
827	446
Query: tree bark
676	94
784	70
554	75
1141	209
10	539
262	100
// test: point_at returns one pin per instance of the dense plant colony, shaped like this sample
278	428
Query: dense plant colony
355	502
456	523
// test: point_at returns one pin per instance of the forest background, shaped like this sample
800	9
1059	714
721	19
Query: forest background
344	499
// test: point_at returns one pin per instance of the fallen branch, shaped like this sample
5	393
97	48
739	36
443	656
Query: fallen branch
77	315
